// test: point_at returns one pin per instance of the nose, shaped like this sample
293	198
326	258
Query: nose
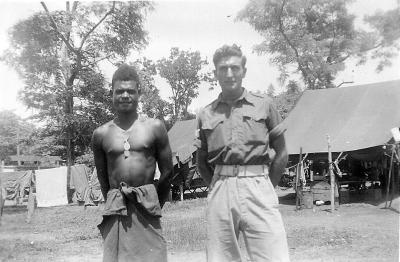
125	94
229	72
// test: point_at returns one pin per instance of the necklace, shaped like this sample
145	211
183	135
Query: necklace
127	146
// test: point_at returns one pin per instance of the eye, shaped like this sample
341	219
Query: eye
235	68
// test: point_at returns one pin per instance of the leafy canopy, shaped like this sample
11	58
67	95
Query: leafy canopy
184	73
316	37
59	54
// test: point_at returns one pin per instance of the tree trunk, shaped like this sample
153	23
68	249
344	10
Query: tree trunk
69	134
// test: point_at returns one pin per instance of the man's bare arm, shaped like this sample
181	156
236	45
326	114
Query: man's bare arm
202	165
280	160
100	162
164	161
204	168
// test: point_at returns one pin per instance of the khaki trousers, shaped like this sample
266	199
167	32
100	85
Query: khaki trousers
242	199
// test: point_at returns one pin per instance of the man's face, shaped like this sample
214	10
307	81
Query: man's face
125	96
229	72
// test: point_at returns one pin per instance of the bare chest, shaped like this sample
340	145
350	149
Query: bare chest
138	138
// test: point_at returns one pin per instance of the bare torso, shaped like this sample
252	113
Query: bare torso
136	167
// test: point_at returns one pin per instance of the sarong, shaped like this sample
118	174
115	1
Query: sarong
131	227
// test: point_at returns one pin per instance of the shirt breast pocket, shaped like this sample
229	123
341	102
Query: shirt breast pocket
213	131
255	126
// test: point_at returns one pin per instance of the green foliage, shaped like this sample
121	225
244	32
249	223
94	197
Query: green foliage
316	37
183	72
286	101
13	131
152	104
58	56
45	141
87	158
383	41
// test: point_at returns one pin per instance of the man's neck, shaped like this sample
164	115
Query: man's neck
126	120
232	97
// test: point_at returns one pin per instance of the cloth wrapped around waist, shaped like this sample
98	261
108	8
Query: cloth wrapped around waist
143	196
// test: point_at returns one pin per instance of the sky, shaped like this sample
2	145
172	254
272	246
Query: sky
196	25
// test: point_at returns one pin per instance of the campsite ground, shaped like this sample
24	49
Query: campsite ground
354	232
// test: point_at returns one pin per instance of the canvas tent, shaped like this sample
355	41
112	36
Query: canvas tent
182	137
356	118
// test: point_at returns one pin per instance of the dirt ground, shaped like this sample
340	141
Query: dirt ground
354	232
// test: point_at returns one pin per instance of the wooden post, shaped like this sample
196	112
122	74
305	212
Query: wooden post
2	198
181	191
298	170
18	151
331	174
31	201
389	178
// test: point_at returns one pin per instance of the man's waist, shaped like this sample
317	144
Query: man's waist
241	170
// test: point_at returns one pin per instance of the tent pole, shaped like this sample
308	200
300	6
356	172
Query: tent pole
389	179
331	174
31	201
298	170
394	180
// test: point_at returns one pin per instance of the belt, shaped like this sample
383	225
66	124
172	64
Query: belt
241	170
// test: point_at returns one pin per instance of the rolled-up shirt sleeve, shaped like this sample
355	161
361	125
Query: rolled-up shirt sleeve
274	123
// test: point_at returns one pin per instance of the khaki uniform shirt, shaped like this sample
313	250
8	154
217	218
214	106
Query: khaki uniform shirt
239	134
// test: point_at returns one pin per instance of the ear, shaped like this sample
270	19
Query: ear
110	91
244	72
215	73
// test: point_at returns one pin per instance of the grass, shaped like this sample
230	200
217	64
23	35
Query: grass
355	232
184	225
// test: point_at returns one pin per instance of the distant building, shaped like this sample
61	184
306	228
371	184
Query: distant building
33	161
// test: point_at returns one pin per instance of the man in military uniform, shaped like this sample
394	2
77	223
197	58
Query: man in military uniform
237	133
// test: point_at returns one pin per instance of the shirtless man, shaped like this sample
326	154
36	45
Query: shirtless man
126	151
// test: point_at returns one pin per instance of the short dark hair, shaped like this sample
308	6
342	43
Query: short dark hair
125	73
228	50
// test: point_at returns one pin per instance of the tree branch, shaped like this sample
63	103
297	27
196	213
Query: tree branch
96	25
282	31
333	37
55	27
98	60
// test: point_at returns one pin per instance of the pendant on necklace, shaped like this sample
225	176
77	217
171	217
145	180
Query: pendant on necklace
127	146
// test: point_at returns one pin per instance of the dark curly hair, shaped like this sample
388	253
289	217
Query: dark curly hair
125	73
228	50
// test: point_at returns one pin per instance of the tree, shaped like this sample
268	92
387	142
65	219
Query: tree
182	70
285	102
14	133
318	36
383	42
152	104
58	55
293	87
271	90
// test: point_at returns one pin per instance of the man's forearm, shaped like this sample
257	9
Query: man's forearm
204	168
277	168
163	188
